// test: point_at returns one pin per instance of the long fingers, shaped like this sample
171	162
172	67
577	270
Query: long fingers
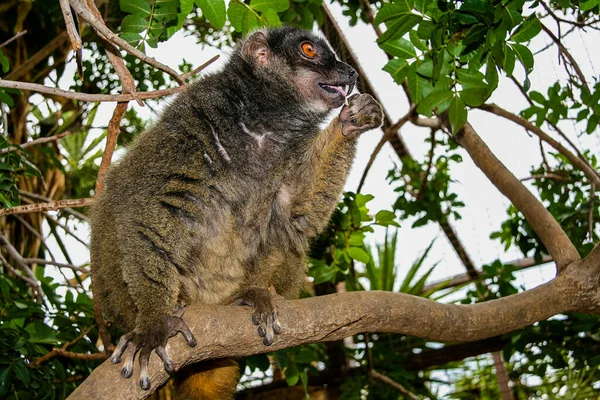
127	369
167	361
115	358
144	375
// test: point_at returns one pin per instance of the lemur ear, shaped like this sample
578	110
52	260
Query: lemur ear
255	48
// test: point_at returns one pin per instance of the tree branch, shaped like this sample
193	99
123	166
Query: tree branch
37	141
34	87
227	331
576	161
84	12
543	223
111	143
51	206
12	39
563	50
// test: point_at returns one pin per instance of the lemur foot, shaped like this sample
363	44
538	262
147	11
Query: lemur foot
153	337
265	313
363	113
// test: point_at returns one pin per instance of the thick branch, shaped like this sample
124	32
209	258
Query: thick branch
226	331
543	223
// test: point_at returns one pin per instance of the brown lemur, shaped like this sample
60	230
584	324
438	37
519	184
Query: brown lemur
219	199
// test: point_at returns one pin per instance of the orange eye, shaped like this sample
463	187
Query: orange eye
308	49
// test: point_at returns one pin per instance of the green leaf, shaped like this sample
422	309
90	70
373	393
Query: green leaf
213	11
524	55
249	22
131	38
474	97
133	23
509	61
436	102
263	5
537	97
457	114
527	30
470	79
21	372
4	382
398	69
271	17
358	254
588	5
291	375
363	199
235	13
392	11
167	13
4	62
5	98
400	48
398	27
136	7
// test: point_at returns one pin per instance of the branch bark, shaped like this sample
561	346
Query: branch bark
226	331
543	223
111	143
51	206
576	161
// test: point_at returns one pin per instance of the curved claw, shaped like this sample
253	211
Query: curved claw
264	315
145	340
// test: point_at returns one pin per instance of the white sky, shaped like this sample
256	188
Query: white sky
485	206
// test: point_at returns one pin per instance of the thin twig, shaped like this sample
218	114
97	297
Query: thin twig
51	206
115	59
591	215
84	12
34	60
388	381
563	50
549	175
42	261
72	30
14	254
111	143
37	141
31	282
39	197
12	39
387	134
582	164
34	87
57	351
423	186
65	228
35	233
200	68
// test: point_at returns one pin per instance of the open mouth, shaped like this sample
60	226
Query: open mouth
343	89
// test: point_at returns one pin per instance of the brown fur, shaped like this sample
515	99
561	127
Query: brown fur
218	201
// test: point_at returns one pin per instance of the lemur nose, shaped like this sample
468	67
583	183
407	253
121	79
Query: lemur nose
352	74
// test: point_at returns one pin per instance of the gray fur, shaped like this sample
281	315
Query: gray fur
225	191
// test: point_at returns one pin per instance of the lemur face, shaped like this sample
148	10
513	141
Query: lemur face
310	65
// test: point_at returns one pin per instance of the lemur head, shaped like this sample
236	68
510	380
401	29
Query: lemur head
305	61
